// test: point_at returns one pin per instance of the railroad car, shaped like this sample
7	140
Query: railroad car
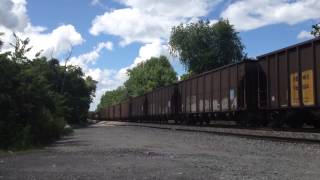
162	103
280	87
289	84
224	93
139	108
125	109
117	111
94	115
110	113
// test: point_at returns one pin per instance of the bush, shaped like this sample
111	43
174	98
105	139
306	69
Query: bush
35	105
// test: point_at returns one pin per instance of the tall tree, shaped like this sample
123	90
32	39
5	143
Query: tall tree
316	30
202	46
148	75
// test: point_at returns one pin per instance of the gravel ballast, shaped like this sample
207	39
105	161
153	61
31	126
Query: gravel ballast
129	152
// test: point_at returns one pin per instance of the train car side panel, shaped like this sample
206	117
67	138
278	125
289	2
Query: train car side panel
200	97
216	96
193	95
316	46
225	86
208	93
307	75
294	77
233	88
283	80
273	81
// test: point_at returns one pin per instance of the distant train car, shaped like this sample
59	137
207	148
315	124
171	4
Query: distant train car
139	108
125	110
111	113
222	93
162	103
289	83
117	111
94	115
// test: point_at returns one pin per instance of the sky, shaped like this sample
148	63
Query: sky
107	37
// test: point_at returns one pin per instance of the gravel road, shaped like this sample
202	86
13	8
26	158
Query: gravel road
128	152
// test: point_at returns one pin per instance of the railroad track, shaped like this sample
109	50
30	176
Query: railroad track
287	135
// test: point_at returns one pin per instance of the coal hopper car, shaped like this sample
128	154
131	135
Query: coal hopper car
289	84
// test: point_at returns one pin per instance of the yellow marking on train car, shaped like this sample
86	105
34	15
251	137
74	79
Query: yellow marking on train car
308	87
294	89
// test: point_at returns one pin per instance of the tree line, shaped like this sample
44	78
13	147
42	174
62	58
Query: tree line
39	97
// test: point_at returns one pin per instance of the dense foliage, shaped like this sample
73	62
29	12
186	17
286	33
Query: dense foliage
316	30
113	97
148	75
34	103
202	46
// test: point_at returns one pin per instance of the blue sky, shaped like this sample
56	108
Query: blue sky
109	36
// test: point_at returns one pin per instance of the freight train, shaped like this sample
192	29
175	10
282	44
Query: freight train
279	88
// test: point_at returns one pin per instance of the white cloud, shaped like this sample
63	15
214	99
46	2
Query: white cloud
95	2
132	25
108	79
172	8
303	35
14	18
90	58
147	21
59	41
252	14
154	49
52	44
13	14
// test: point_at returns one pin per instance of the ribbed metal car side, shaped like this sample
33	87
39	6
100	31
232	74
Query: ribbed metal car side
289	77
162	103
139	108
231	88
125	106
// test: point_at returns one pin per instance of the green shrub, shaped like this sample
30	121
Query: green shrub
38	98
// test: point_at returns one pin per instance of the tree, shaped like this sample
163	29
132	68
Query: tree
20	49
148	75
316	30
33	110
185	76
113	97
78	92
202	46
